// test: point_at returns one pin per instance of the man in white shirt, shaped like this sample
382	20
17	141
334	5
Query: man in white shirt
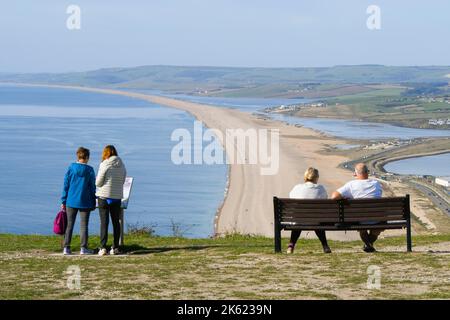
360	188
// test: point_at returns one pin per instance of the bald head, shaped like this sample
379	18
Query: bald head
361	171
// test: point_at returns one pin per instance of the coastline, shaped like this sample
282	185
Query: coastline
243	210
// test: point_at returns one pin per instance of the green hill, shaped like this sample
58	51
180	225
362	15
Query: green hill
241	81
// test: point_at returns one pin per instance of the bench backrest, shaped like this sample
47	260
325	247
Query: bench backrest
327	211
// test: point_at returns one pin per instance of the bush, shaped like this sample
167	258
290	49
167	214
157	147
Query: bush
141	229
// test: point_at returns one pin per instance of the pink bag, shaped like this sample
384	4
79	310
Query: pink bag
60	223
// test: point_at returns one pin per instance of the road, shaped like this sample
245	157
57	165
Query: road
437	200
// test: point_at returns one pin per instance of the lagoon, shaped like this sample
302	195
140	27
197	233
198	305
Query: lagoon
437	165
360	130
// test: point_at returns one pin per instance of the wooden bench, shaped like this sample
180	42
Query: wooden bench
341	215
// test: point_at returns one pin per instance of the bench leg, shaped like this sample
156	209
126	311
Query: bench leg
277	238
408	236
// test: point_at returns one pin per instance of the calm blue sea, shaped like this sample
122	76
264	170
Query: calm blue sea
41	128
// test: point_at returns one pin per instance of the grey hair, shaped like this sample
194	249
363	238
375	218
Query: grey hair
361	169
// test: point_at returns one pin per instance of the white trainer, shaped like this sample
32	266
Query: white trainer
114	251
102	252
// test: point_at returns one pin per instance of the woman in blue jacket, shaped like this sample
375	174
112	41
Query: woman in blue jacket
78	195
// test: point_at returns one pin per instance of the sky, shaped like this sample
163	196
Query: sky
244	33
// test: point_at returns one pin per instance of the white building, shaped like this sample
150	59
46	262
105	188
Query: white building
443	181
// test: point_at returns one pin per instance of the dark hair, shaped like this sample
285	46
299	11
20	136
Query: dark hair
83	153
108	152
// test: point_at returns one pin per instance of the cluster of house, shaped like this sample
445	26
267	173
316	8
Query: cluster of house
296	107
435	99
439	122
386	144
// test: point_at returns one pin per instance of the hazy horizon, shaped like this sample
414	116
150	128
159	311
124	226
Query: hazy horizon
264	34
219	66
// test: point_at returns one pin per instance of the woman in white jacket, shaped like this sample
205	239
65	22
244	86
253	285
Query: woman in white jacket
110	179
309	190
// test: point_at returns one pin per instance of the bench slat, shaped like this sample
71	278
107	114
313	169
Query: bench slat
308	215
373	209
374	205
350	227
311	220
307	201
310	210
374	218
355	201
311	203
375	212
376	200
352	212
378	226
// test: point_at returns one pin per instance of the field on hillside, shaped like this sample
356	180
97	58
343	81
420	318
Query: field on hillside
387	105
236	267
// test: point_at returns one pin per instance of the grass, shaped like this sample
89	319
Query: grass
386	105
240	267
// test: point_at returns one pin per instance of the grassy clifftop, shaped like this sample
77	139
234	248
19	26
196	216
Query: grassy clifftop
233	267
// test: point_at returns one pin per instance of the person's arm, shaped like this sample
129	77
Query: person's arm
379	189
92	182
343	192
66	187
336	195
100	181
124	174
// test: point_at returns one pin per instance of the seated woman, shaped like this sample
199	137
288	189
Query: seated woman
309	190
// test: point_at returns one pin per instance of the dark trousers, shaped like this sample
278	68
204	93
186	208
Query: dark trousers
319	233
369	236
105	211
84	232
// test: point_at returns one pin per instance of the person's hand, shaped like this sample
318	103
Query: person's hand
63	207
